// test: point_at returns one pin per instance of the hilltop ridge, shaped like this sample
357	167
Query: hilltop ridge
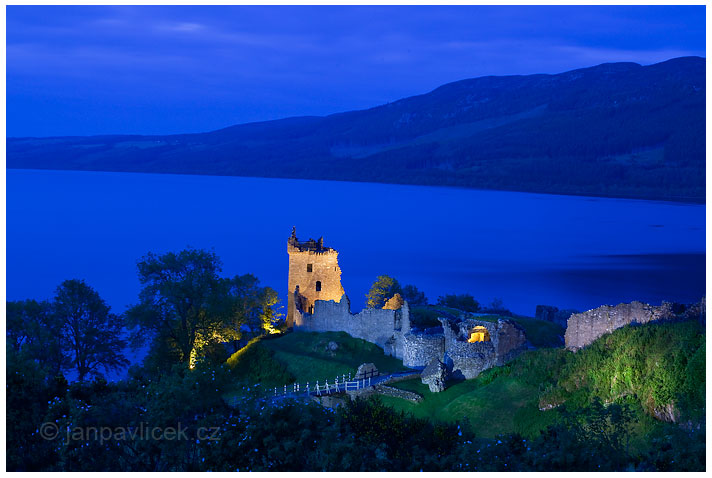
616	129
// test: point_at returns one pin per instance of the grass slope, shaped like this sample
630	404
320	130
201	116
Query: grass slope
501	400
305	357
652	368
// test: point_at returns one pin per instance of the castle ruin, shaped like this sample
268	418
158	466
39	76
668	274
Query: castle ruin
317	303
314	274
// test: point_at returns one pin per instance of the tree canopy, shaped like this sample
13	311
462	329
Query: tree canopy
382	289
90	333
413	295
188	309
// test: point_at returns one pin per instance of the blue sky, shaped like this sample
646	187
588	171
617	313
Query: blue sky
175	69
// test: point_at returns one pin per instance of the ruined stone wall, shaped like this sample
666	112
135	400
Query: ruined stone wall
469	359
420	349
379	326
324	269
398	393
584	328
510	341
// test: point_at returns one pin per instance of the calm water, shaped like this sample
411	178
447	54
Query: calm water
527	249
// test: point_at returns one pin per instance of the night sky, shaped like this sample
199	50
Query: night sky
168	69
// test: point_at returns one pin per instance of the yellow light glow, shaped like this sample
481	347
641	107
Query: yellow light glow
479	334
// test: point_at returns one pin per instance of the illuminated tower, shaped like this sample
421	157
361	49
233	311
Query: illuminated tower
313	270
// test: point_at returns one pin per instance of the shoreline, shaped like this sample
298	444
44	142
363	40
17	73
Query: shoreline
679	200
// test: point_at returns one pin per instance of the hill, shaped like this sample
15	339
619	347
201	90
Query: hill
658	369
618	129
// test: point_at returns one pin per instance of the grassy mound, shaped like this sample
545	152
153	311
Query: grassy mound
305	357
659	365
255	363
501	400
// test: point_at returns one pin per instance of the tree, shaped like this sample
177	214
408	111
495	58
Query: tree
90	333
33	332
413	295
181	304
497	307
269	317
460	301
253	305
382	289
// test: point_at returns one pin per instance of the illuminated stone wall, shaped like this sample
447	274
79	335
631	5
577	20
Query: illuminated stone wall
584	328
469	359
312	267
420	349
383	327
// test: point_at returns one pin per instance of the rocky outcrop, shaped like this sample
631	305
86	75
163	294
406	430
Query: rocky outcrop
365	371
550	313
434	376
584	328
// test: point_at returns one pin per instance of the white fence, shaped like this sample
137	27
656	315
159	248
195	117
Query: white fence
345	384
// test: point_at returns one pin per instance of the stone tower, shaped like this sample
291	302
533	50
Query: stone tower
314	274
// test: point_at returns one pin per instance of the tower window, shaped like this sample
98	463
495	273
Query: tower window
318	285
309	267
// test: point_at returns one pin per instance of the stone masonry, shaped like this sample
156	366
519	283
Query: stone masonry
314	274
584	328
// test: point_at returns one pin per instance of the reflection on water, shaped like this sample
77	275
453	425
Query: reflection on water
528	249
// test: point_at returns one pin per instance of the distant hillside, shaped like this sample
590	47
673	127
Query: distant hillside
617	129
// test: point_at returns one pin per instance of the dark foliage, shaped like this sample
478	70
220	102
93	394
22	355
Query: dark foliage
413	295
460	301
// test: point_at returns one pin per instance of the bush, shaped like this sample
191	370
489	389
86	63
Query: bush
460	301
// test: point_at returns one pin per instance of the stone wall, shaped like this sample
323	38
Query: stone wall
584	328
510	341
420	349
382	327
324	265
398	393
469	359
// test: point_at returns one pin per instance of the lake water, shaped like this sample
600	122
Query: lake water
527	249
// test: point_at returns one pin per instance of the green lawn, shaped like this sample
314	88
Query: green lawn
505	405
501	400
